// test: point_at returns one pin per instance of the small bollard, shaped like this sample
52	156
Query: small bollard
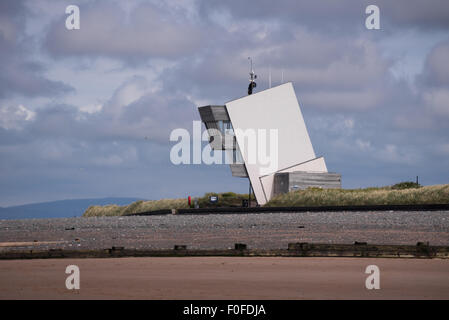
174	211
423	248
180	247
115	250
239	246
298	246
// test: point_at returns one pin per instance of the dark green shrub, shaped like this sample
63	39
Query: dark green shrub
406	185
228	194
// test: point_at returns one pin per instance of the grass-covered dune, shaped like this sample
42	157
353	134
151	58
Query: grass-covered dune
369	196
401	193
226	199
135	207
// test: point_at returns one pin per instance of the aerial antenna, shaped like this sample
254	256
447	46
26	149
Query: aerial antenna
269	76
253	77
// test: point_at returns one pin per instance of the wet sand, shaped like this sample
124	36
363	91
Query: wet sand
225	278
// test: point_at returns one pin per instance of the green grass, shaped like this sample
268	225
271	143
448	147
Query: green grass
401	193
135	207
227	199
369	196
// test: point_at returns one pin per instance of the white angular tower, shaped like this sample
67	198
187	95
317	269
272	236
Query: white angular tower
248	126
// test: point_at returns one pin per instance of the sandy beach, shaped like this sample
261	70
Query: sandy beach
225	278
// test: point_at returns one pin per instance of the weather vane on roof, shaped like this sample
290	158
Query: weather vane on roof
253	77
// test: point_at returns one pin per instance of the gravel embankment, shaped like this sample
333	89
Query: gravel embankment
218	231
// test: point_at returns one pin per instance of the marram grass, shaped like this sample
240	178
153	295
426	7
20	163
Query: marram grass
226	199
370	196
135	207
310	197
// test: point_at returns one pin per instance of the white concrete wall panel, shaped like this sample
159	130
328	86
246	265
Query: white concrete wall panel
275	108
315	165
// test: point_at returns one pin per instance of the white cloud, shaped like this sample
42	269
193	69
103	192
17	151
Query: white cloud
342	100
91	108
363	145
139	32
130	91
390	153
127	156
349	123
13	117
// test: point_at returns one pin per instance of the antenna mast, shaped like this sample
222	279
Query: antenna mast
269	77
253	77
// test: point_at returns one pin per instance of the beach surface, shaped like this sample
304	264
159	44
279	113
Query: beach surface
225	278
222	231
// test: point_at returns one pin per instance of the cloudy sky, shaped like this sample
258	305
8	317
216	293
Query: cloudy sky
87	113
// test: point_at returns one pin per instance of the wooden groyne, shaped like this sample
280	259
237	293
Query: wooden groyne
300	249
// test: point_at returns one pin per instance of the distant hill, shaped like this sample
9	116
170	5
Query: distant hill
59	209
